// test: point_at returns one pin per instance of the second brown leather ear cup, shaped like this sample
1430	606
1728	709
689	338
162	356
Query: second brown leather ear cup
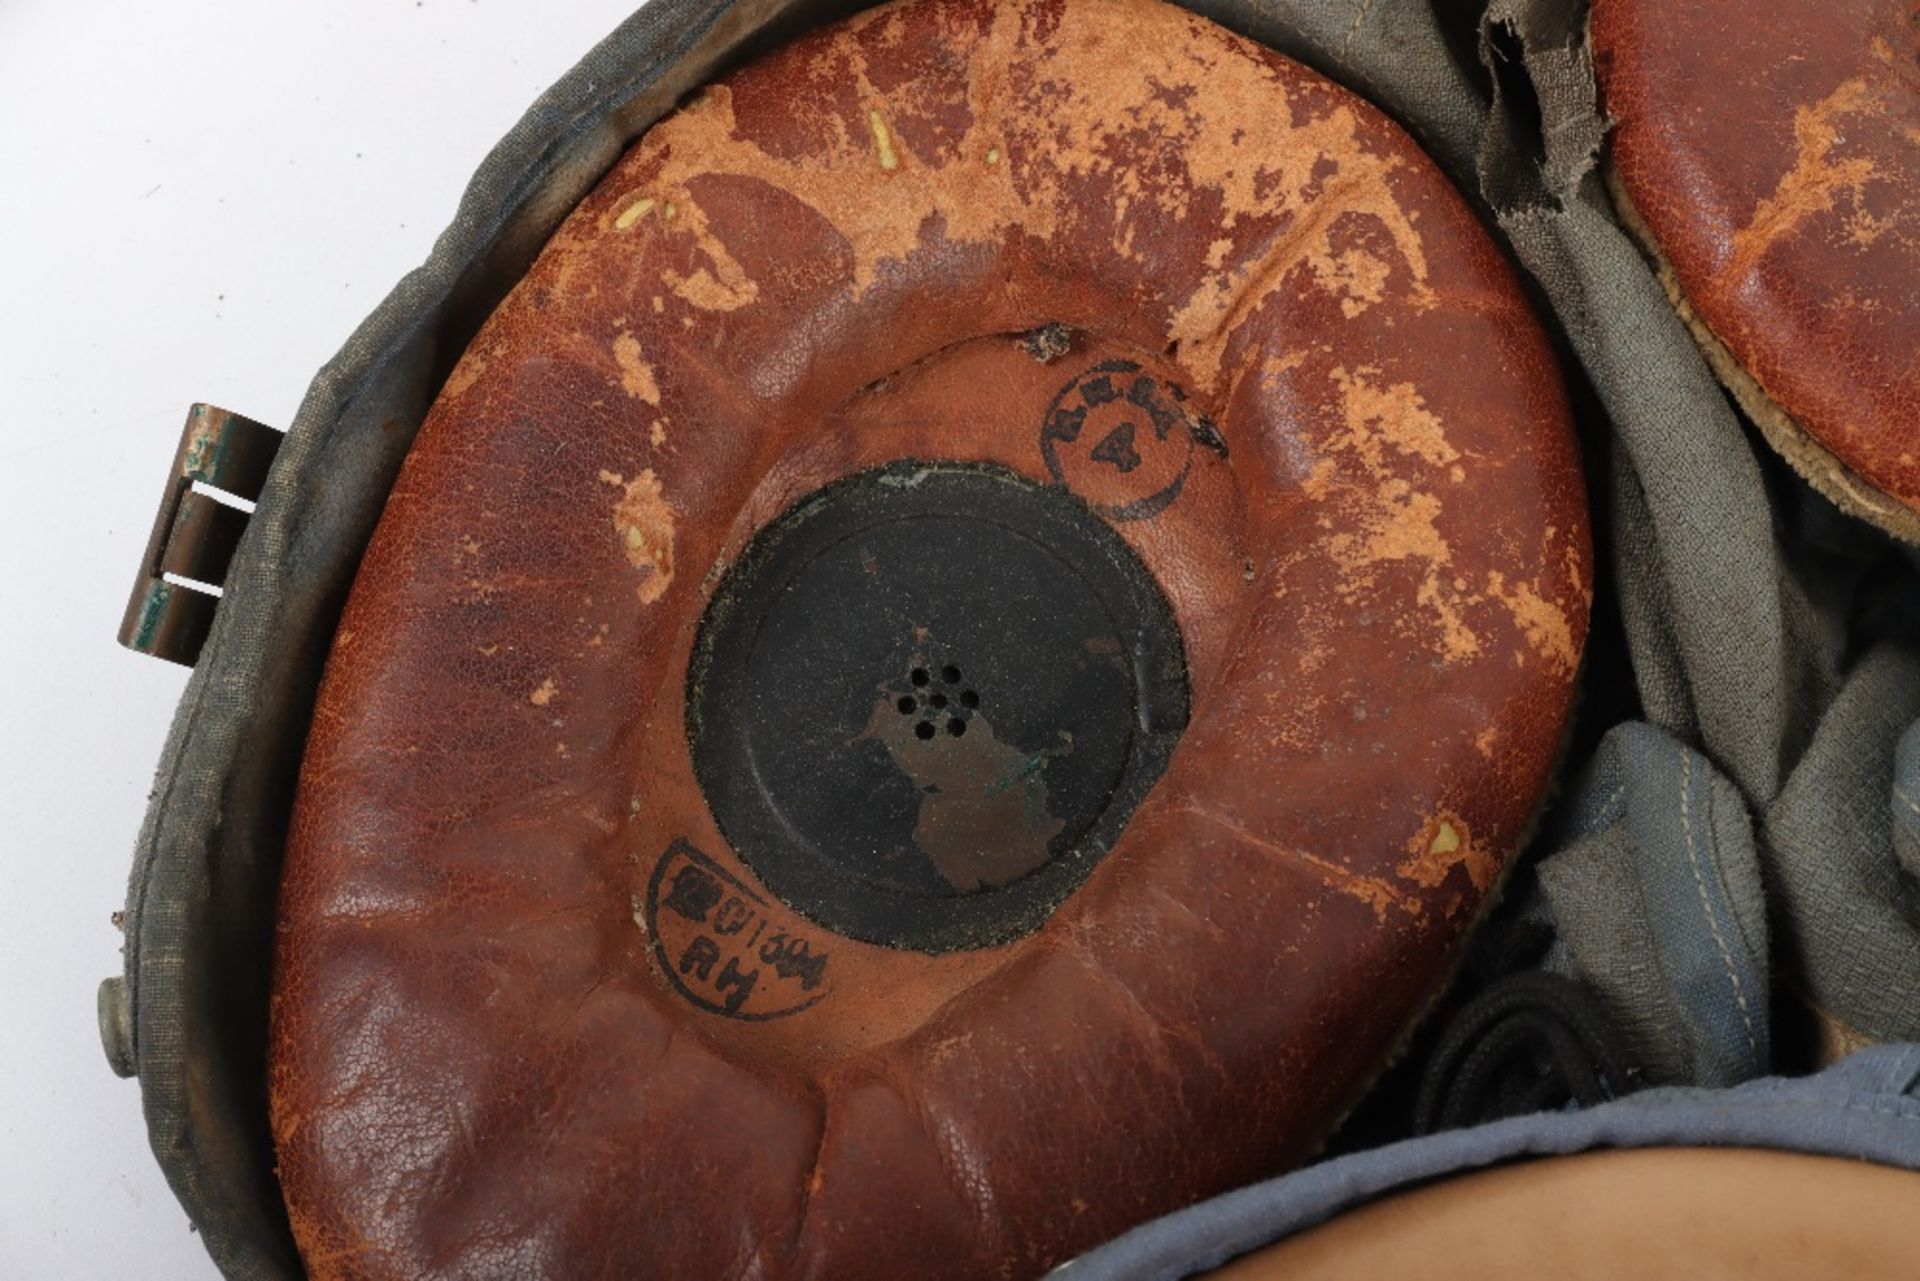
1773	169
946	675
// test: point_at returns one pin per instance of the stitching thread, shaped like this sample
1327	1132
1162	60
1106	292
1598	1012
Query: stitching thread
1601	809
1365	8
1700	884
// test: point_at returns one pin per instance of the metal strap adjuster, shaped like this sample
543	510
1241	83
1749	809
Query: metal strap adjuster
194	534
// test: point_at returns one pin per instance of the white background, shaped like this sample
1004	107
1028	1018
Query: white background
198	201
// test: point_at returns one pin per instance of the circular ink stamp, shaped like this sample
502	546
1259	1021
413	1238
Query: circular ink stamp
1123	440
723	947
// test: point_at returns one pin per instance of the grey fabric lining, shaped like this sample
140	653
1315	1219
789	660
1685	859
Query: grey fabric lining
1838	874
1760	831
1772	641
1697	569
1680	961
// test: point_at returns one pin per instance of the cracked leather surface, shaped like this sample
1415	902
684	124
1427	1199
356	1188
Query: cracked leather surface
1773	154
825	262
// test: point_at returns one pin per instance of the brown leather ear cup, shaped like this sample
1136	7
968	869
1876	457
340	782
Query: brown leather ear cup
1141	369
1769	157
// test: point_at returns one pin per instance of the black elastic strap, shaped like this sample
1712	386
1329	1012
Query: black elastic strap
1530	1042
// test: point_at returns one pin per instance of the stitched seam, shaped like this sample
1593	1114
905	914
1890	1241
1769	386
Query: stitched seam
1897	1107
1358	18
1612	797
1713	921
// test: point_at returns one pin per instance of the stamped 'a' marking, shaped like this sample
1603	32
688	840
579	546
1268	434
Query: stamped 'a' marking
1123	440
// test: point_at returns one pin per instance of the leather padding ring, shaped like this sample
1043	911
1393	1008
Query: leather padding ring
535	1014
